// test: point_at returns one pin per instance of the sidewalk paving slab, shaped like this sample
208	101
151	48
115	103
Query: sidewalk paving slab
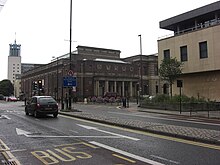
188	133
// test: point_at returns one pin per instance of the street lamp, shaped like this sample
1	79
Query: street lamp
57	78
70	91
141	70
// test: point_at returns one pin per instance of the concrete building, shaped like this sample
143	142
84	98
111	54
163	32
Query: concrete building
14	61
97	70
195	42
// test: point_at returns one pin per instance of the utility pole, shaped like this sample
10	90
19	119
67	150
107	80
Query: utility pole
70	89
141	69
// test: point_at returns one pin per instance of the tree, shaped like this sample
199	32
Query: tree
170	70
6	87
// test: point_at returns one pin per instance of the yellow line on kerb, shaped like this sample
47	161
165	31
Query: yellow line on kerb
210	146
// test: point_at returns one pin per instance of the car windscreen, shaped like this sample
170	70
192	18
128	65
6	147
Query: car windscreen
47	100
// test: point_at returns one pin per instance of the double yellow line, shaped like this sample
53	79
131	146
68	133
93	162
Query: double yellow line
8	156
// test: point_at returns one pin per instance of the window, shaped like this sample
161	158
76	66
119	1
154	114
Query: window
108	67
183	53
156	69
166	54
203	51
145	70
99	66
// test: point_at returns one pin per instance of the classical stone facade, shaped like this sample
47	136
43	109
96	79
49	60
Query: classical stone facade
196	43
97	71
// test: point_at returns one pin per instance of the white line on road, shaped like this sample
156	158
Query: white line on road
142	159
30	135
164	159
19	150
74	131
153	117
5	116
115	134
67	136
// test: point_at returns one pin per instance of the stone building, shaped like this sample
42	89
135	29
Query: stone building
97	71
195	42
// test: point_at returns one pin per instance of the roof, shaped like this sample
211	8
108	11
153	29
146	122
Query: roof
95	48
199	12
109	60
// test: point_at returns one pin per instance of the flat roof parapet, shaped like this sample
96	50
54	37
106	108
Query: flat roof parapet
199	13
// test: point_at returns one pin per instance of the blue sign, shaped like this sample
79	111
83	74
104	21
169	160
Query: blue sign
69	81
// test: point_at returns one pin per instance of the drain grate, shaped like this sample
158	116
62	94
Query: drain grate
9	162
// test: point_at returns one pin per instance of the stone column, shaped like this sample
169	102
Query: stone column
131	89
115	86
97	88
123	88
106	86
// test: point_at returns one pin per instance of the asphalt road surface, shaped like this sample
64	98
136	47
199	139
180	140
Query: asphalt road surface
66	140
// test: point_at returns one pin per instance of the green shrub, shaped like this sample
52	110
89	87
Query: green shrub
160	98
175	99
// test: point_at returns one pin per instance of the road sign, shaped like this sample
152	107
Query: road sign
70	73
69	81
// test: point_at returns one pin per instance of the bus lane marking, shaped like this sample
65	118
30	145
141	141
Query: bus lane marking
142	159
64	153
126	159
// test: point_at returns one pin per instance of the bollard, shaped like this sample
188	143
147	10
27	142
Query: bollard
85	100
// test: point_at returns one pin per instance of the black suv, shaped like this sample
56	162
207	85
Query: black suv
41	105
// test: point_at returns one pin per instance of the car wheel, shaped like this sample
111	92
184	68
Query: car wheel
36	114
55	115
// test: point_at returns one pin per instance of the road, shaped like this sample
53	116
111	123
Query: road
68	140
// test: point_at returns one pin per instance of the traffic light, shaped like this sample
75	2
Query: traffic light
180	83
40	84
34	84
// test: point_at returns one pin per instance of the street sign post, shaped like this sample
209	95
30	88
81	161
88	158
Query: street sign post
69	81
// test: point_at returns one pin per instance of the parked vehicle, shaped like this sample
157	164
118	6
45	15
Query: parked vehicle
2	97
12	98
41	105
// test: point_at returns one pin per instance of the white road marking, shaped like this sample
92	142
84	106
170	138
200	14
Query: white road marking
5	116
153	117
115	134
164	159
142	159
22	132
30	135
74	131
20	150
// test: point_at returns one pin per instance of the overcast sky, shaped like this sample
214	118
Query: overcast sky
42	26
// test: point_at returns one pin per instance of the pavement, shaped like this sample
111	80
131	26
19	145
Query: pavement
187	133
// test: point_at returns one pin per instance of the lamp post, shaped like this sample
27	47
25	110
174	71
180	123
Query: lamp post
141	69
57	78
70	91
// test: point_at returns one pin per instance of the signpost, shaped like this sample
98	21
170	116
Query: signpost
180	85
69	81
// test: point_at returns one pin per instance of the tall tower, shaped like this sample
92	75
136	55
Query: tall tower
14	61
